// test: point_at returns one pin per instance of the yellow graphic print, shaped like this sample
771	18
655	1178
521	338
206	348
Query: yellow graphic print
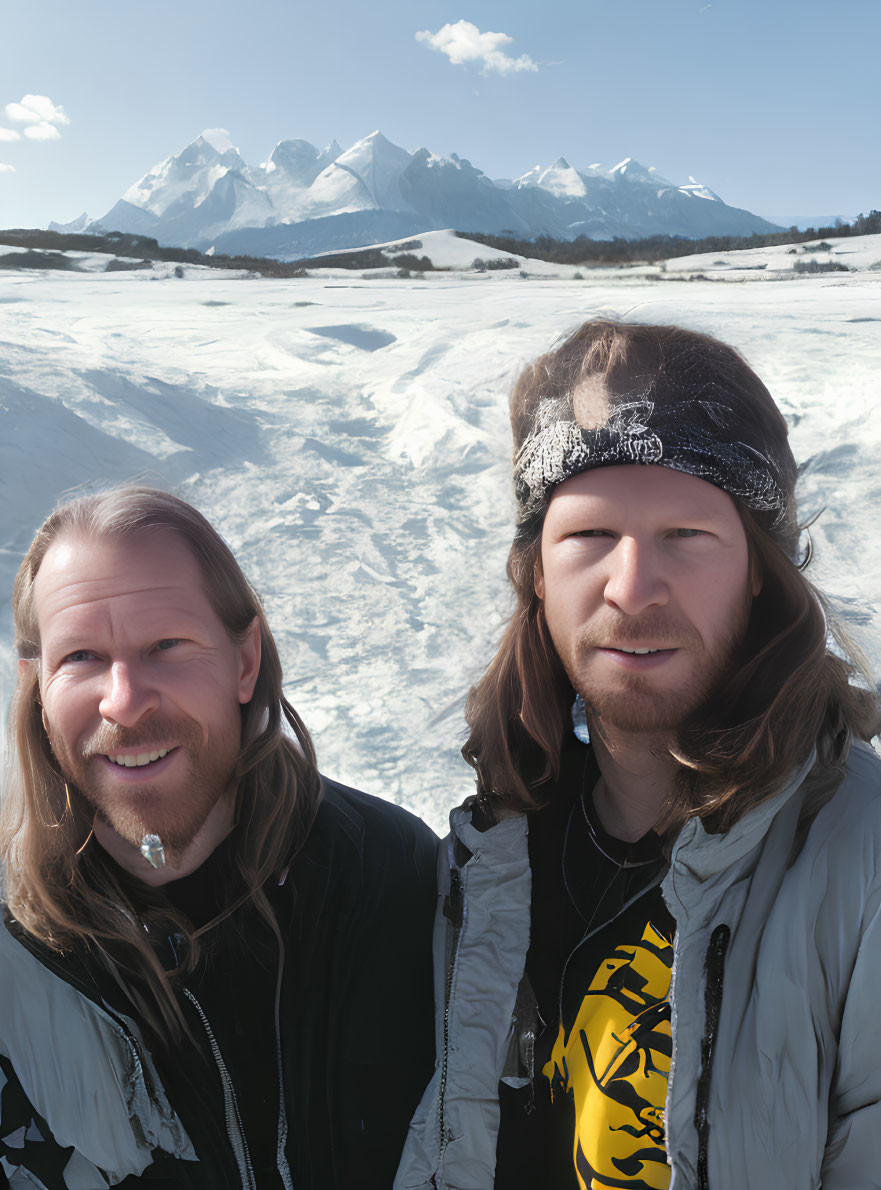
615	1062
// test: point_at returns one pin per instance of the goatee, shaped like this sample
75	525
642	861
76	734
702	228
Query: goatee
639	703
134	810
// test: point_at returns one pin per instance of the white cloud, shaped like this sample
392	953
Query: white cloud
464	42
35	110
9	134
6	169
42	131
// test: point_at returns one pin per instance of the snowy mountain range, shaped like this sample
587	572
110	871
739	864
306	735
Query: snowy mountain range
304	200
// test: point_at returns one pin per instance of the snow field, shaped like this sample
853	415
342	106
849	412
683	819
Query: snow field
349	438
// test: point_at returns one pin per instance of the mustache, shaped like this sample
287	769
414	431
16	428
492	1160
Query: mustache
160	732
625	630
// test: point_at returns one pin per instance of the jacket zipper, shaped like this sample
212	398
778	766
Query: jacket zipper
456	915
281	1160
234	1129
715	969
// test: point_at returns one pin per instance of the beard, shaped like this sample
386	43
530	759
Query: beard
643	703
134	810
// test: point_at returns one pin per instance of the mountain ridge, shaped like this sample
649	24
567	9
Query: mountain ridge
303	199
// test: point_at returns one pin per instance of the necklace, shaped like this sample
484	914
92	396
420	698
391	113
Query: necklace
619	864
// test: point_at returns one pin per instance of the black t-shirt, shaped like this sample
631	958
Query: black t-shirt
598	963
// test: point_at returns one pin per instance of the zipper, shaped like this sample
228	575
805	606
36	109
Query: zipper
715	969
456	913
281	1160
234	1129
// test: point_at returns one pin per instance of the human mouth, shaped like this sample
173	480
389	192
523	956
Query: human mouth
138	767
637	656
139	759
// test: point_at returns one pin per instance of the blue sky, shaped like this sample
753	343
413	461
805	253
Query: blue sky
771	103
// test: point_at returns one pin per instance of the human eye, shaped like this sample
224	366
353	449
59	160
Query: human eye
79	655
170	642
685	534
591	533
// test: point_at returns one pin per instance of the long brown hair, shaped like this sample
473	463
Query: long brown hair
59	883
789	693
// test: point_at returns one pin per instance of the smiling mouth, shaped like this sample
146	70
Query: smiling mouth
637	652
140	760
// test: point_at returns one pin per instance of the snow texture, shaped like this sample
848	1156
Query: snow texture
350	440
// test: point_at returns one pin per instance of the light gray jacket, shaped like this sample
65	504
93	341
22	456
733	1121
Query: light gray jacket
792	1077
91	1075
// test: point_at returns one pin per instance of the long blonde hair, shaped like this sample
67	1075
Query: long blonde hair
59	884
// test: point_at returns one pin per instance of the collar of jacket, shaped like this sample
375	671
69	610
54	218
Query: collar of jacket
697	854
698	857
495	841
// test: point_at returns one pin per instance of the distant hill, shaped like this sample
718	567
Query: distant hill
435	250
621	251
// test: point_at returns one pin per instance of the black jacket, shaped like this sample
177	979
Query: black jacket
355	1029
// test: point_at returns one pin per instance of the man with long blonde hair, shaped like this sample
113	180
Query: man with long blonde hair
215	964
660	953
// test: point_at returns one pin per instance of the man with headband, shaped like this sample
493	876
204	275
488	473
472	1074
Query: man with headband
215	965
659	958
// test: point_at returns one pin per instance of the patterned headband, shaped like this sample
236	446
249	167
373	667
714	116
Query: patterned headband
700	436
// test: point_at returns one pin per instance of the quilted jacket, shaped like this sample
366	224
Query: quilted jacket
775	1081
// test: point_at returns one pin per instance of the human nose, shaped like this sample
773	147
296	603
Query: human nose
635	580
128	694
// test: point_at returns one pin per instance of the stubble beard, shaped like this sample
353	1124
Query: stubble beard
135	810
639	703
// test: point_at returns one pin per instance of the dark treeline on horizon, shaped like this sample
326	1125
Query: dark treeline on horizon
142	248
584	250
577	252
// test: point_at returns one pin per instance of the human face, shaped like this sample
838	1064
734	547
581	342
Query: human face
134	661
644	557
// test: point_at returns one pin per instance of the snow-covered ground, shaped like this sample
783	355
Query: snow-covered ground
349	438
853	253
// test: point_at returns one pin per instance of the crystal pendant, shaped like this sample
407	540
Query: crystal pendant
153	851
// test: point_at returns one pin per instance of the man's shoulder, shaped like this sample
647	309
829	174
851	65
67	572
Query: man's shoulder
374	835
54	1041
851	818
860	790
368	863
363	816
14	955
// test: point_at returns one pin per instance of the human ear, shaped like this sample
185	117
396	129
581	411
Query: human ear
249	661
